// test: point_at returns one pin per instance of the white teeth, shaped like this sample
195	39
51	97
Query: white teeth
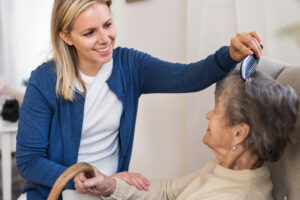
102	50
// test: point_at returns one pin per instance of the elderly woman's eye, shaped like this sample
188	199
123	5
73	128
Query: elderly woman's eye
107	25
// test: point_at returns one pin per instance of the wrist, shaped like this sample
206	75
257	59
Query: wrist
113	185
111	188
231	54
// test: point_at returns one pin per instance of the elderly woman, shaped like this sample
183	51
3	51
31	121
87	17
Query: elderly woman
250	124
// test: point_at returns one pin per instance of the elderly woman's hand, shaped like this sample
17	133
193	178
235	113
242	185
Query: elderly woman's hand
105	185
244	44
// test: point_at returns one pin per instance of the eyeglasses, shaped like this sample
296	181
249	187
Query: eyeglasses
249	65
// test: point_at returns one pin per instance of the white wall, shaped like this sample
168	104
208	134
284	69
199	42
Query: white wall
157	27
269	18
208	29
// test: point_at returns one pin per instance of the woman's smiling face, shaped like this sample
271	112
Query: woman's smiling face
93	35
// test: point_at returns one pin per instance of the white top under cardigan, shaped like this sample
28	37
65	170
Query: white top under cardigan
99	145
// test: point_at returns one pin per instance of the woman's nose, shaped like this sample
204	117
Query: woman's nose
103	37
208	115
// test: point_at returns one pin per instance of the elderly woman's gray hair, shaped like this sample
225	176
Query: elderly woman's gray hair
268	107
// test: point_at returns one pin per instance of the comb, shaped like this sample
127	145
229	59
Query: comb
249	65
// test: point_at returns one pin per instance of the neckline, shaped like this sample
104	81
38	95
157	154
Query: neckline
88	80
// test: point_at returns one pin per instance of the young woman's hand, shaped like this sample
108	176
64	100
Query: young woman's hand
139	181
244	44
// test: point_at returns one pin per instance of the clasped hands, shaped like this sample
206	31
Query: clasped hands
105	185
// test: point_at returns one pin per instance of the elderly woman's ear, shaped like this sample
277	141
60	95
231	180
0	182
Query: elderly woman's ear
241	131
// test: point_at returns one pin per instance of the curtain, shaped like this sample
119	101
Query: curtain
269	18
24	37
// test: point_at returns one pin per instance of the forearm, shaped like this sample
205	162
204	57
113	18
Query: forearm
36	167
157	76
33	155
159	190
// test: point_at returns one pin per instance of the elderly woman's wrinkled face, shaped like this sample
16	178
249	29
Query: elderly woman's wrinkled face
219	136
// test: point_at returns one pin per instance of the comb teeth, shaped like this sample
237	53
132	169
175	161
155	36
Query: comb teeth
248	66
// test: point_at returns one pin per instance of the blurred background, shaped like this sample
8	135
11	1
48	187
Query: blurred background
170	128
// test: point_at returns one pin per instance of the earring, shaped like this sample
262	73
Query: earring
234	148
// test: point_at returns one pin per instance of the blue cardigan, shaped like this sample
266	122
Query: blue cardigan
49	130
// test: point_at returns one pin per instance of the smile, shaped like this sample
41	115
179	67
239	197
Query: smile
103	50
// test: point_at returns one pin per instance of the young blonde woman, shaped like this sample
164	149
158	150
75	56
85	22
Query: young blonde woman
82	105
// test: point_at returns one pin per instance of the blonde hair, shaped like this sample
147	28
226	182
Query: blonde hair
64	14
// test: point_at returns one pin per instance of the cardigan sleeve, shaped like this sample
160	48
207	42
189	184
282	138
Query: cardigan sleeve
162	190
157	76
33	136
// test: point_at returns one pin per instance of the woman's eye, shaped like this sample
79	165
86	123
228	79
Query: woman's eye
89	33
107	25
